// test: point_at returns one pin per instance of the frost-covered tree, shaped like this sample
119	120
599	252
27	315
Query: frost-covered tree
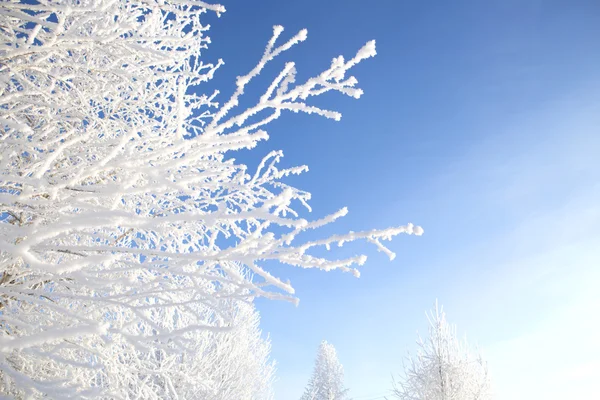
445	368
225	365
199	364
327	379
126	228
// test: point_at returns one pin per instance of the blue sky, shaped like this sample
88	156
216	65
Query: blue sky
480	123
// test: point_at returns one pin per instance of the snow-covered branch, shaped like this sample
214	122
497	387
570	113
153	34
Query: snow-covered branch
124	225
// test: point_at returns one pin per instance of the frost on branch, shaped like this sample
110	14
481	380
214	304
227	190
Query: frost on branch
123	222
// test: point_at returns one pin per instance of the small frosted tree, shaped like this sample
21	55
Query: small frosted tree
327	380
126	227
444	368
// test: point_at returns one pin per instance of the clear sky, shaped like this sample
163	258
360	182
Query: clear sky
480	122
